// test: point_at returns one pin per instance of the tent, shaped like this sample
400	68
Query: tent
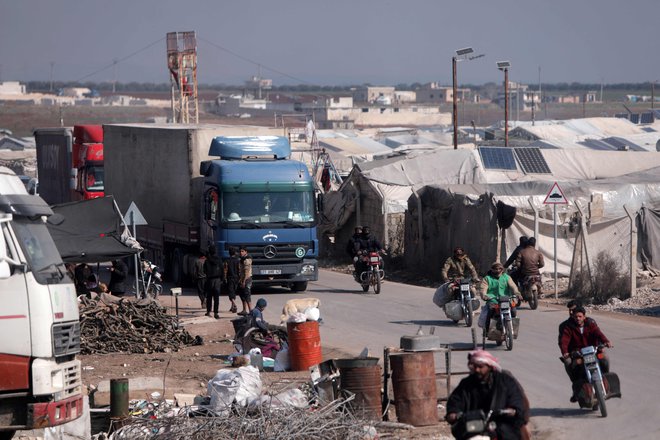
91	231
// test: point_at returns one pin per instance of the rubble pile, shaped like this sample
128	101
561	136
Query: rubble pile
111	325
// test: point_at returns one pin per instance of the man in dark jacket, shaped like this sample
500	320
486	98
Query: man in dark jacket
529	260
488	388
200	279
118	274
515	274
232	275
214	273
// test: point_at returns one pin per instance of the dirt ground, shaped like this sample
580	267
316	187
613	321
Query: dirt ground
188	371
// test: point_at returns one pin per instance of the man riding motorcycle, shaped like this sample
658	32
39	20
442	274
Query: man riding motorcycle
578	333
495	285
455	268
365	244
515	273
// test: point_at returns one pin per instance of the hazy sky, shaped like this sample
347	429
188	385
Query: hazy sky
382	42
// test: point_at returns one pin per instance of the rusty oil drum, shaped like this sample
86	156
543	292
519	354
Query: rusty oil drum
415	394
363	378
304	344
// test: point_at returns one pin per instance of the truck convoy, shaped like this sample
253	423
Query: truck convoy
40	377
226	186
70	163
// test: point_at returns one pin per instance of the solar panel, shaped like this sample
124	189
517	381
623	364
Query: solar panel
621	115
646	118
649	129
532	161
622	144
634	118
497	158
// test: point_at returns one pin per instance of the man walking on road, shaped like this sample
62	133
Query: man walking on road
245	281
214	273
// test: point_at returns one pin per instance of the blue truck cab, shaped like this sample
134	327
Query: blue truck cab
256	196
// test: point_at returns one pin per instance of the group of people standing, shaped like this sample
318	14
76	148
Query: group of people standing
87	282
214	276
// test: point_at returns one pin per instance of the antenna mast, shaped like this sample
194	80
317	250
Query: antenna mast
182	64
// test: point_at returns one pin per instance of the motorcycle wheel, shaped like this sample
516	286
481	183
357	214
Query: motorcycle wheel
533	299
600	396
376	283
468	314
509	335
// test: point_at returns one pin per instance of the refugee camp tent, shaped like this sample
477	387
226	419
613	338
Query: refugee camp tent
91	231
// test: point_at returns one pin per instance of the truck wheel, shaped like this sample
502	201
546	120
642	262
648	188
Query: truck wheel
299	286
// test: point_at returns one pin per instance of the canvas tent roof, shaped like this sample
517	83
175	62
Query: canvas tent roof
91	231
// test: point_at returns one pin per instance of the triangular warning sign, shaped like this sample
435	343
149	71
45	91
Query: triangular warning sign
134	216
555	196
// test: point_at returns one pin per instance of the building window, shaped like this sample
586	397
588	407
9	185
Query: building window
365	110
396	110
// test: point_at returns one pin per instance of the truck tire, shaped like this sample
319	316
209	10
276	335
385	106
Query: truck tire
299	286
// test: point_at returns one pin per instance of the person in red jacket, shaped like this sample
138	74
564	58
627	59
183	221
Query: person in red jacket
578	333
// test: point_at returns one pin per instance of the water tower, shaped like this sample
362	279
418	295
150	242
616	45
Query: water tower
182	64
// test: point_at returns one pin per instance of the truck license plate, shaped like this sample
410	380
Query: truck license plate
271	271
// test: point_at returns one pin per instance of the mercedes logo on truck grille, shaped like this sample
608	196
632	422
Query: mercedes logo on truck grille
270	251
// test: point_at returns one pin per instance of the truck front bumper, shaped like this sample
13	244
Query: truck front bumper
45	414
306	270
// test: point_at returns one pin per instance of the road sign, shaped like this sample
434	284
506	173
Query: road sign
134	216
555	196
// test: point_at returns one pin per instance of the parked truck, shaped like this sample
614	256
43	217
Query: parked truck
40	377
70	163
216	185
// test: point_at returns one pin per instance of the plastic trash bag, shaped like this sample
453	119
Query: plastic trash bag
286	399
312	313
228	386
297	317
282	362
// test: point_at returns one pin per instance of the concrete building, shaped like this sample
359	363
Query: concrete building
12	88
433	92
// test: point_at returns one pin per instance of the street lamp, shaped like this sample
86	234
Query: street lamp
454	114
504	65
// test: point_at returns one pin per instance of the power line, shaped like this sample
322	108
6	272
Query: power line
119	60
217	46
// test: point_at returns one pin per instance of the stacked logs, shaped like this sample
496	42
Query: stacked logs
124	326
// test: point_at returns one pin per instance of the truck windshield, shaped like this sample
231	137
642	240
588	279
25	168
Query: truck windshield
39	249
94	180
274	207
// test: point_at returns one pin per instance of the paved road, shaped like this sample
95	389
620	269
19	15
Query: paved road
354	320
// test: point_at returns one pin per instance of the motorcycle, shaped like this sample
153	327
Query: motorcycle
476	425
530	288
503	327
465	305
594	387
371	274
150	279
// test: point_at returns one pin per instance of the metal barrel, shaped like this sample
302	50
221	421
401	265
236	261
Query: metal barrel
365	383
415	394
304	344
119	398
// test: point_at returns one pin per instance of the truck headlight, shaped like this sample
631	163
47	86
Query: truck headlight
308	268
57	379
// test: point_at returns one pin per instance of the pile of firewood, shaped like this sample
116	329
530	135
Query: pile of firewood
125	326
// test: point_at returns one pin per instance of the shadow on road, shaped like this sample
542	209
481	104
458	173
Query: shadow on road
426	322
558	412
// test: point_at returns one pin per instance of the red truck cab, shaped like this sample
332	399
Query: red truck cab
87	162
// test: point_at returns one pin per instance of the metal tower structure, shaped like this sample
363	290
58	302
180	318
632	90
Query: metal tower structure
182	64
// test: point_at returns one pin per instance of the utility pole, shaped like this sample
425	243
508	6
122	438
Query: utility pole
454	111
114	75
52	66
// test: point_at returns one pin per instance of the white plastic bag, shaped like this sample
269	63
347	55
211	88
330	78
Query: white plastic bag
312	313
441	295
297	317
286	399
241	385
282	362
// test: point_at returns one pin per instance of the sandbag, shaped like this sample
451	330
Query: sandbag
441	295
312	313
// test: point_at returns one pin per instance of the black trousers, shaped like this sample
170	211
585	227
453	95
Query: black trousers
213	287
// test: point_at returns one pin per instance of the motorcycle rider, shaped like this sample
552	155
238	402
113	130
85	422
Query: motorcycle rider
367	243
529	260
515	273
488	388
494	285
578	333
455	268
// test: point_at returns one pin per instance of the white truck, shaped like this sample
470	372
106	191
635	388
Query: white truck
40	377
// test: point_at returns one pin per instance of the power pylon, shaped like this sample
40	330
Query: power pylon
182	64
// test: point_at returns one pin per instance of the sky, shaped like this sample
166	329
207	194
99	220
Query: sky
333	42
